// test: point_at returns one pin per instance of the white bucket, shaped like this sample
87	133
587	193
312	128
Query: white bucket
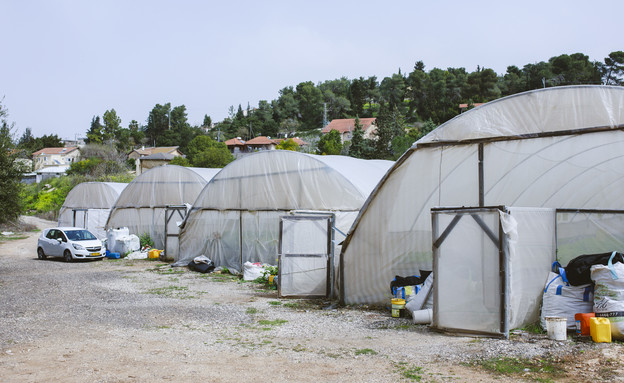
422	316
556	327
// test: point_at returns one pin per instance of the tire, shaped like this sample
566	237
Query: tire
41	254
67	256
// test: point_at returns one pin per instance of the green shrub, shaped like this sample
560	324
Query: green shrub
146	240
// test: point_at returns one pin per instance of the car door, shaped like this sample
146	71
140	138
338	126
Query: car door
56	246
48	242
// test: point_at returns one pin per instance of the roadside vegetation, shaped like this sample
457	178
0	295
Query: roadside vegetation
99	164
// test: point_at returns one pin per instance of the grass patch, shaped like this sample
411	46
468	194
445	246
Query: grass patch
223	277
277	322
251	310
275	303
537	369
166	270
291	305
365	351
299	348
410	372
13	237
171	291
533	328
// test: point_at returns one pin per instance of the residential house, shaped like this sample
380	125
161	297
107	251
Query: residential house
235	145
239	147
260	143
147	158
49	172
345	127
48	157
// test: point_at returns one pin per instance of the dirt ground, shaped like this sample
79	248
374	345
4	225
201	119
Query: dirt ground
143	321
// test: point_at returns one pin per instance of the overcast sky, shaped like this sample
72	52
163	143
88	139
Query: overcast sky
63	62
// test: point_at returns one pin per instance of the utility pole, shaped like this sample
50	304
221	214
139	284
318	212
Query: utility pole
325	122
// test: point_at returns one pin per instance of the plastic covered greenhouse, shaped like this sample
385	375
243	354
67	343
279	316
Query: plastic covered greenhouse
88	205
236	218
560	148
143	205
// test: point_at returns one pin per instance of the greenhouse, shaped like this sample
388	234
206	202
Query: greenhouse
559	148
88	205
236	218
158	196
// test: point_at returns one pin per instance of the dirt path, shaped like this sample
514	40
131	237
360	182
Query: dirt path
142	321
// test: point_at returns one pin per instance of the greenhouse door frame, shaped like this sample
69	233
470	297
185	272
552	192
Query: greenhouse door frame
170	211
86	218
310	216
500	241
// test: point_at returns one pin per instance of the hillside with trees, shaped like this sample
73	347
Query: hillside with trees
407	105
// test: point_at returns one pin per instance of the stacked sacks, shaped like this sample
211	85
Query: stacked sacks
589	283
561	299
609	293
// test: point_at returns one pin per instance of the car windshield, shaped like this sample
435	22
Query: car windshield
80	235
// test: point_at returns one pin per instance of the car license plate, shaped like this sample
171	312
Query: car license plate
95	254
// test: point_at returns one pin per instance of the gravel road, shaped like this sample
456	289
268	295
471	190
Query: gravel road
143	321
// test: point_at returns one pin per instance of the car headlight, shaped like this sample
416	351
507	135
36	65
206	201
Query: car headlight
77	246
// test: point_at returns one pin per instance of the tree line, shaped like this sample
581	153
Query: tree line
409	101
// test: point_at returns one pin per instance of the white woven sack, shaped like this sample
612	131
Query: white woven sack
609	295
252	271
562	300
423	299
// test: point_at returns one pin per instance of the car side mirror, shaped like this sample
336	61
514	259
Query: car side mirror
60	240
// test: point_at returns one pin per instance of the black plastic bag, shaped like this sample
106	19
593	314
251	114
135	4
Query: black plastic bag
578	270
202	267
413	280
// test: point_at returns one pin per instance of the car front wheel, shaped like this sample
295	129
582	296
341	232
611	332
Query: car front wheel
67	255
41	254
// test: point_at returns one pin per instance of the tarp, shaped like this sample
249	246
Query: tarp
556	147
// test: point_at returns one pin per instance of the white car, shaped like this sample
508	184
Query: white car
70	243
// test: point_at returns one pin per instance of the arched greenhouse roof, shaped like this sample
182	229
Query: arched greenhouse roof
287	180
165	185
556	110
88	205
93	195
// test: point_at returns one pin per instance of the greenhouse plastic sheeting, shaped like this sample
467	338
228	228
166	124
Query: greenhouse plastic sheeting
555	147
236	217
141	206
88	205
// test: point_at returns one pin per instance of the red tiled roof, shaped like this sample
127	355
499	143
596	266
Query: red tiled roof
161	149
347	124
260	140
464	106
50	151
234	142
